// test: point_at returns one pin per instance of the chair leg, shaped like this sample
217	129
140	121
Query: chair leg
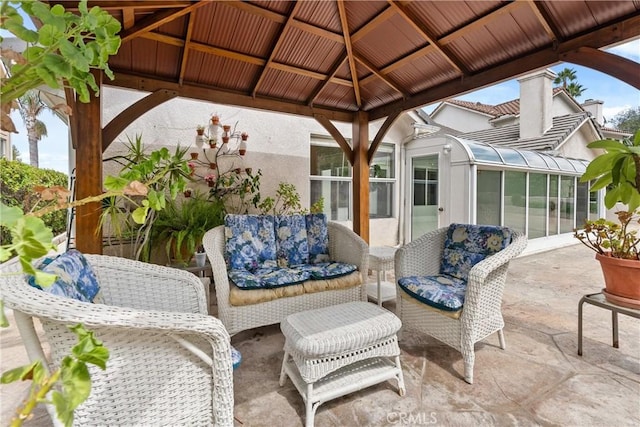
469	358
283	373
503	344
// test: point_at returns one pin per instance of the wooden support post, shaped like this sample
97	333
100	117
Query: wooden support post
89	172
361	175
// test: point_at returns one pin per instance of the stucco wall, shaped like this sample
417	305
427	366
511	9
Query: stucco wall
461	119
278	143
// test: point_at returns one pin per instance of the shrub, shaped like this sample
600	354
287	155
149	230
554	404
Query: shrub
17	182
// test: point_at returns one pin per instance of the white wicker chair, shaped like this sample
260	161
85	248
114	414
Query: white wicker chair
481	314
344	245
169	361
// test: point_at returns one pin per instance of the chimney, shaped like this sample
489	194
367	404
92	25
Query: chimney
536	100
594	107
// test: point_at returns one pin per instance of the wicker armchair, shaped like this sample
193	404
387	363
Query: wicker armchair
169	361
481	314
344	245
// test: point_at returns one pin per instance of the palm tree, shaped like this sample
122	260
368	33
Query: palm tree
565	77
575	89
30	107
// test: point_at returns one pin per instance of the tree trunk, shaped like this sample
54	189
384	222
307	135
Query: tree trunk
32	137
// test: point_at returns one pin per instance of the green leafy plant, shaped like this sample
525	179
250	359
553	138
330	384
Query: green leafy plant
617	169
609	238
181	225
18	182
237	189
287	201
65	47
167	175
69	384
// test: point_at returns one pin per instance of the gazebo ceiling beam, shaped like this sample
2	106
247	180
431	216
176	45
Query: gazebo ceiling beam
347	44
157	19
201	47
544	19
185	51
205	93
379	74
414	22
275	47
627	29
326	81
616	66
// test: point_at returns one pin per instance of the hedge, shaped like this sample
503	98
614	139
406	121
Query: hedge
17	181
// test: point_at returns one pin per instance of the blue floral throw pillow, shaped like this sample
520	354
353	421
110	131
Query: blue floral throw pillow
317	238
291	240
75	277
250	241
467	244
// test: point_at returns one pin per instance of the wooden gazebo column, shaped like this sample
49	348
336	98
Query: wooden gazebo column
361	175
89	172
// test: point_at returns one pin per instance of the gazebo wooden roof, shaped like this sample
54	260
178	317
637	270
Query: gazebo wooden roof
352	61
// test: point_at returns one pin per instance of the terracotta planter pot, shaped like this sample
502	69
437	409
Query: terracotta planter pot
622	280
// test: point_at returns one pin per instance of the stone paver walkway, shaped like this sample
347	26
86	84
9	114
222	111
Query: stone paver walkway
538	380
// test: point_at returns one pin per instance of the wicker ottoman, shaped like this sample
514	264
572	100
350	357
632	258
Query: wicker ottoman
336	350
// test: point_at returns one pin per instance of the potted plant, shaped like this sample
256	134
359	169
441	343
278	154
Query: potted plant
617	246
180	226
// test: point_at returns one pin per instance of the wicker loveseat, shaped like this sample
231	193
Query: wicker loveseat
242	308
170	362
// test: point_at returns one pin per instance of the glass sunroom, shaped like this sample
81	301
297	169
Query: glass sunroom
450	179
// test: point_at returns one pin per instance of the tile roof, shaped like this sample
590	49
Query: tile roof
511	107
509	136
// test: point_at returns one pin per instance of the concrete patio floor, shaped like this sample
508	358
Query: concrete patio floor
538	380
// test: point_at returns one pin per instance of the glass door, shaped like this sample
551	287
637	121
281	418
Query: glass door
424	194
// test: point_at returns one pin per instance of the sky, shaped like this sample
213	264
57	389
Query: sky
616	95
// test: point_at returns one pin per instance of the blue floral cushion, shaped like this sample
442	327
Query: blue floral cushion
75	277
250	241
236	357
467	244
441	291
268	277
328	270
317	238
283	277
245	279
291	240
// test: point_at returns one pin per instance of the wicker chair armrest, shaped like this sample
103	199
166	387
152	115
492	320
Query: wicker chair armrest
140	285
422	256
214	245
346	246
487	278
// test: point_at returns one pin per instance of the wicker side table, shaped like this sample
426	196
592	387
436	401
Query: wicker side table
381	259
333	351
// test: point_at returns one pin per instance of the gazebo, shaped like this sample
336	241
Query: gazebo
348	61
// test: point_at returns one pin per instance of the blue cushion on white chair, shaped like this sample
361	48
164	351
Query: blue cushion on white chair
441	291
468	244
75	277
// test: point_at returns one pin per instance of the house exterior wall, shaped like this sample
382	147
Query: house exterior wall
6	150
278	144
461	119
561	106
575	146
